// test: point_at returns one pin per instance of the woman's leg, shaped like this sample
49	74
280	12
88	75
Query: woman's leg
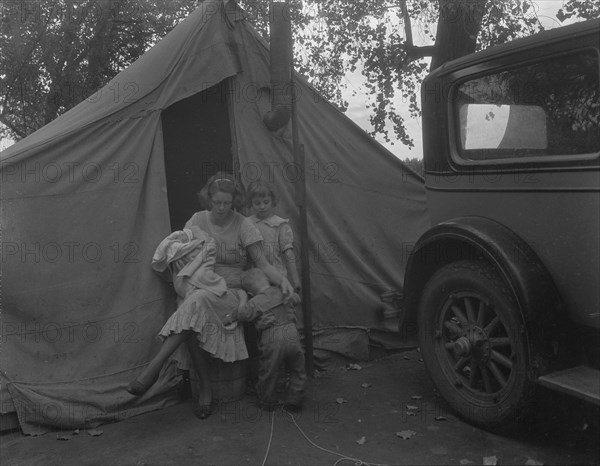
200	360
150	374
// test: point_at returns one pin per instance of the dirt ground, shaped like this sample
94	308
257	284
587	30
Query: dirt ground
386	412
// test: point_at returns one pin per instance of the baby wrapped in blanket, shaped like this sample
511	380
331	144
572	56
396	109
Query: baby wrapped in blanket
205	304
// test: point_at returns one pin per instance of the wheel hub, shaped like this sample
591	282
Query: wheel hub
462	346
473	342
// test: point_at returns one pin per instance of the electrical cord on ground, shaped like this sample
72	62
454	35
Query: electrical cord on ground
270	438
356	461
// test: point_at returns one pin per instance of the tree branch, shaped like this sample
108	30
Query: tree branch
414	53
407	25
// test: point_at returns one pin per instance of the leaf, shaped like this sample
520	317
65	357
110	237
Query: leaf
95	432
362	440
440	418
353	367
490	461
416	397
340	401
366	385
412	407
406	434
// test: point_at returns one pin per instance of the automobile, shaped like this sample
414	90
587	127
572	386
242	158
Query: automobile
503	291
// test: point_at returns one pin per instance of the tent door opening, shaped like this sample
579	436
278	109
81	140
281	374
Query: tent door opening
197	144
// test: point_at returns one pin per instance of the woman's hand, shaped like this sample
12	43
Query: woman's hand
230	318
179	264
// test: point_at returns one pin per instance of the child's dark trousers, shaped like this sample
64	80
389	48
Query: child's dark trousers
279	345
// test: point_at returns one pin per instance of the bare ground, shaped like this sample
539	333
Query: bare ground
386	412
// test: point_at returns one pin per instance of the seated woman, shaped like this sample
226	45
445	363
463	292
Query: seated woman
201	320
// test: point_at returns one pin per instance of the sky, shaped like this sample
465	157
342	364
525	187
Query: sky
359	114
355	95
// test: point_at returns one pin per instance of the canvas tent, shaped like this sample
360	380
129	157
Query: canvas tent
86	199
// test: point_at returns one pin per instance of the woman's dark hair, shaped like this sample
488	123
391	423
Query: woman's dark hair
225	183
261	188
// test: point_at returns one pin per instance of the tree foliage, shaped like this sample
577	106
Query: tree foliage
372	38
579	9
334	37
53	53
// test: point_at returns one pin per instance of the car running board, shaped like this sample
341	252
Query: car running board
581	381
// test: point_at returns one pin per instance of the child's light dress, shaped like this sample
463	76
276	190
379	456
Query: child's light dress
277	238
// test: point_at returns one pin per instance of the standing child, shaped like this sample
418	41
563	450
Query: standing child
278	340
278	244
278	247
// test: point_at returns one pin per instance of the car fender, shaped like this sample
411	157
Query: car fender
483	239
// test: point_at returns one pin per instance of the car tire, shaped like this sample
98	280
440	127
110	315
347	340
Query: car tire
474	345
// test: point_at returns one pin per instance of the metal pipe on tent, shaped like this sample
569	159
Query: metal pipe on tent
304	246
284	106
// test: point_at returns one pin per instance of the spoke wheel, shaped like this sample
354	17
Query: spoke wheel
474	345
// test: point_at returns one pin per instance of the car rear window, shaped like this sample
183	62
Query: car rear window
549	108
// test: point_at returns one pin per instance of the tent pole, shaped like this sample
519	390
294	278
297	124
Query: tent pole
300	194
304	242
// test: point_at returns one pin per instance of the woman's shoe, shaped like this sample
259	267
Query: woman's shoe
203	411
138	388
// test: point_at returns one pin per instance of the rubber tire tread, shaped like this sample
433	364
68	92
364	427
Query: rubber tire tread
520	403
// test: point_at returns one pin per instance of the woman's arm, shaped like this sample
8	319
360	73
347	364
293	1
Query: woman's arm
255	251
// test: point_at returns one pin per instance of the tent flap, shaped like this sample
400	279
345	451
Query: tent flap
67	406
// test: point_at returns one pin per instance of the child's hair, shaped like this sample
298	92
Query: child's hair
261	188
251	279
222	182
